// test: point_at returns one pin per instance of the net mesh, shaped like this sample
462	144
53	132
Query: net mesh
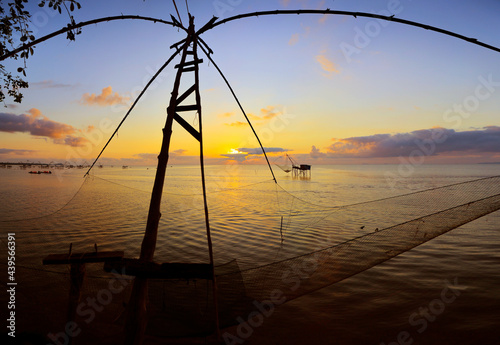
269	245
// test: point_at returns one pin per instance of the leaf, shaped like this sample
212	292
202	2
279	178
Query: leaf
72	7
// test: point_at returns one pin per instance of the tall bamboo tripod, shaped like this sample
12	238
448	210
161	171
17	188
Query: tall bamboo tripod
137	312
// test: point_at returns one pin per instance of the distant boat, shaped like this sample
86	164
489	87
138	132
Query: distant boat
125	167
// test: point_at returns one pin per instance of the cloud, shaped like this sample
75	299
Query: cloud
258	150
269	112
237	124
71	141
430	142
50	84
251	155
147	158
106	98
178	152
15	152
323	19
285	3
224	115
315	153
266	113
239	157
327	65
294	39
36	124
253	117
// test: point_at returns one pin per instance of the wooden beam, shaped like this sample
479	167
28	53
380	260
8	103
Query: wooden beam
187	127
186	94
186	107
189	63
154	270
61	259
135	325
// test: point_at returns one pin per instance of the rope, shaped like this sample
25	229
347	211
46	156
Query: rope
242	110
176	10
389	197
50	214
133	106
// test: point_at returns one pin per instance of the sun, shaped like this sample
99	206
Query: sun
234	151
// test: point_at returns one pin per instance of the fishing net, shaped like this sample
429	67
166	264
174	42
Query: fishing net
270	247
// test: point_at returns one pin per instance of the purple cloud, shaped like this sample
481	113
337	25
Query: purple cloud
39	125
431	142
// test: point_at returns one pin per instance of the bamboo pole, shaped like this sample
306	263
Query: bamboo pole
355	15
205	203
80	25
212	25
242	110
136	316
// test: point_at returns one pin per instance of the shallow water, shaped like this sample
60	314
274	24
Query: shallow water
373	307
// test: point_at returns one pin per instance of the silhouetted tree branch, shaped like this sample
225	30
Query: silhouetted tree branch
27	46
15	22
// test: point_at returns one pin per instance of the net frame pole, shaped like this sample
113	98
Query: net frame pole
135	325
203	184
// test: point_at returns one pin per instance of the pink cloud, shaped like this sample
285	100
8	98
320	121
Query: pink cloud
429	142
106	98
38	125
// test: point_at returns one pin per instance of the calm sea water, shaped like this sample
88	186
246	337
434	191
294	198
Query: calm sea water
445	291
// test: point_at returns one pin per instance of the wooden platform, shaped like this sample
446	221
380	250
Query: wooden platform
154	270
75	258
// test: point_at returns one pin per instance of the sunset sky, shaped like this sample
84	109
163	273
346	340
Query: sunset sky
325	89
